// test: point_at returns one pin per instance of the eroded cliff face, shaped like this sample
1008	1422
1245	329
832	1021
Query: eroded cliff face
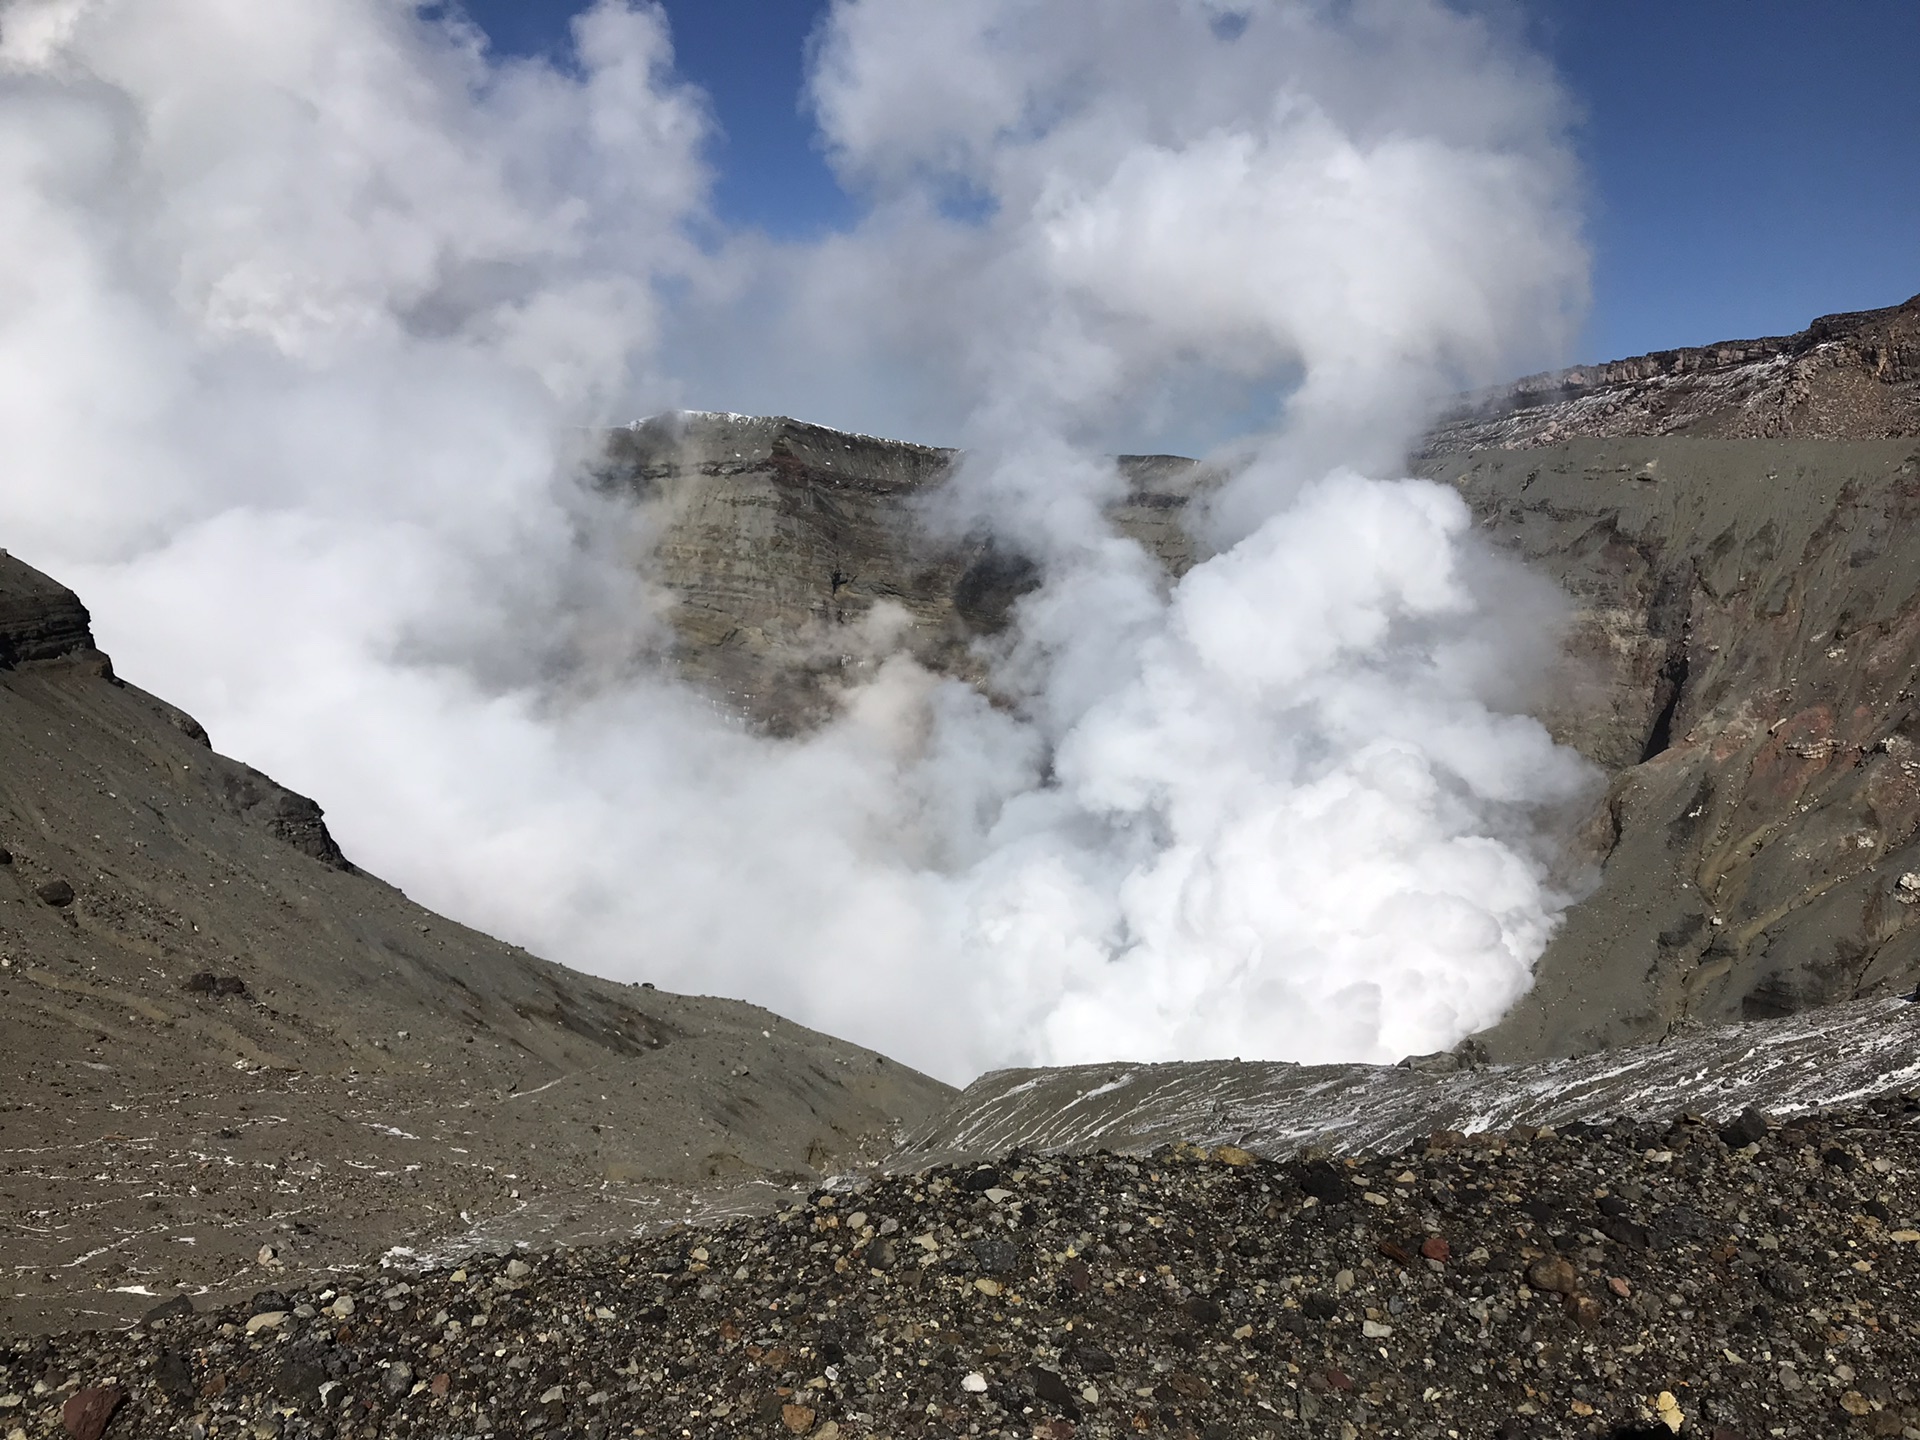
40	619
779	540
1845	377
1742	661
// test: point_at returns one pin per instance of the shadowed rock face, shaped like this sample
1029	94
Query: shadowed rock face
40	619
1845	377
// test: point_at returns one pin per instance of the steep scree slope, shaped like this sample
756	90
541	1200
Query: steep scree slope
217	1035
1743	660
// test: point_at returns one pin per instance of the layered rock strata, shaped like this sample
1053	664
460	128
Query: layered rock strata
1743	659
1740	660
40	619
1845	377
777	540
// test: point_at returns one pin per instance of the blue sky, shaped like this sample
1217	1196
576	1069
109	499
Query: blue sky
1752	163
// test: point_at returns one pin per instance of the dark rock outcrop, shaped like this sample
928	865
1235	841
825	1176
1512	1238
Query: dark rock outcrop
42	622
286	816
40	619
1845	377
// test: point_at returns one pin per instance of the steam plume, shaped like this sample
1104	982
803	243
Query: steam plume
308	314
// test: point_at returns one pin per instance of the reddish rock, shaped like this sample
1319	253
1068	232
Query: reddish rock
86	1414
1434	1248
1845	377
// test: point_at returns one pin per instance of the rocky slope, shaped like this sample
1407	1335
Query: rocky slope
1845	377
1743	661
1631	1281
225	1048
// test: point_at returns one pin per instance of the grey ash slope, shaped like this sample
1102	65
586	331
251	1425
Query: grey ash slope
382	1071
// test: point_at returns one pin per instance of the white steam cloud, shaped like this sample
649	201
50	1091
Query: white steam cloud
307	314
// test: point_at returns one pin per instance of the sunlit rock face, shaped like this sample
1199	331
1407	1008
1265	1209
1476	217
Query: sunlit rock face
1742	661
778	539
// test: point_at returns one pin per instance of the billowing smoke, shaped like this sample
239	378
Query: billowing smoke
309	317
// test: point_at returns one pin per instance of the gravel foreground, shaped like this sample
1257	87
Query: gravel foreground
1630	1280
